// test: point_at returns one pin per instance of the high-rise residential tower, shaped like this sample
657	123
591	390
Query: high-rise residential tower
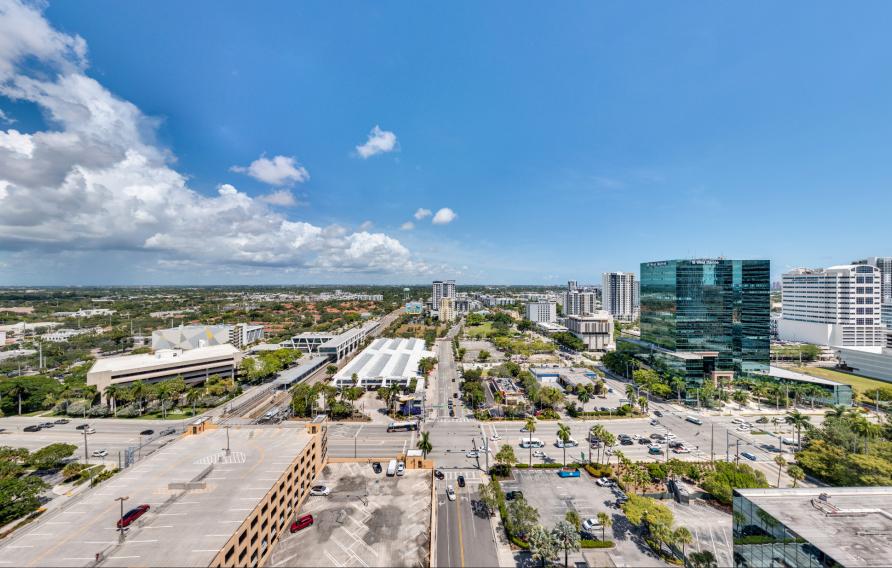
579	302
884	264
618	295
442	289
838	306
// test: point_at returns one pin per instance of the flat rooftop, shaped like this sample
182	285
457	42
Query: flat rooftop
162	358
181	528
781	373
854	527
386	357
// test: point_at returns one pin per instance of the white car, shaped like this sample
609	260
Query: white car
604	482
788	441
90	430
450	492
472	454
400	468
320	491
495	437
737	421
671	436
591	524
682	450
100	453
539	454
571	443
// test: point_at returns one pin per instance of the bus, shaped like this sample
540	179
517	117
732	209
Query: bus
397	426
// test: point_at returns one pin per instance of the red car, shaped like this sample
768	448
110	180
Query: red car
301	523
132	515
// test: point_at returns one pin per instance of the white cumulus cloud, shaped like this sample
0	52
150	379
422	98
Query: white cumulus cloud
444	216
280	197
280	170
421	213
6	118
379	142
407	226
96	180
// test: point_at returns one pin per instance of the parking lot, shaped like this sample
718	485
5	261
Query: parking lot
368	519
553	496
112	435
711	529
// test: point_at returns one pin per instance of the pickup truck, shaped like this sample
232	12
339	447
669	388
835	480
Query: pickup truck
568	473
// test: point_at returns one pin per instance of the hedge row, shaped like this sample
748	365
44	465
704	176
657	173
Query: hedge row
586	543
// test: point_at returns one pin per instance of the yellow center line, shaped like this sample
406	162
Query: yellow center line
461	546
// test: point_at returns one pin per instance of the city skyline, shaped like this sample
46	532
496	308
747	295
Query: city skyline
136	148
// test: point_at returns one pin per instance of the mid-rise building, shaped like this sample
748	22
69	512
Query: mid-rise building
194	336
619	293
594	329
194	366
447	309
441	289
709	317
542	311
820	527
837	306
414	308
578	302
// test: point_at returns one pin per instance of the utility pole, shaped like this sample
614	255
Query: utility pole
227	442
121	500
86	452
711	442
737	456
728	446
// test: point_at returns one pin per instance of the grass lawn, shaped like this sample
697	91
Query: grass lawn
860	384
479	331
171	414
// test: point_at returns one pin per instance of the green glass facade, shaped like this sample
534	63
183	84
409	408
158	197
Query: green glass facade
705	305
761	541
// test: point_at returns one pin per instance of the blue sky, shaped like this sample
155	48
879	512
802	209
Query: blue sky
568	140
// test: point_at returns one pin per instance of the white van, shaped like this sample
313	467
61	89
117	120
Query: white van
391	468
531	443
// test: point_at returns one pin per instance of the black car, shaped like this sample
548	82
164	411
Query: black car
627	442
146	432
376	467
82	427
62	421
47	425
658	414
439	474
643	441
461	480
512	495
32	428
167	432
451	412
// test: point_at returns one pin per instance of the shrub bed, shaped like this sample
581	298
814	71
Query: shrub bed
587	543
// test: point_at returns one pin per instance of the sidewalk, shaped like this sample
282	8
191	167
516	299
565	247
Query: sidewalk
503	547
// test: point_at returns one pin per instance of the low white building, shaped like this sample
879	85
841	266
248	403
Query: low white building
384	363
194	365
873	362
541	312
595	330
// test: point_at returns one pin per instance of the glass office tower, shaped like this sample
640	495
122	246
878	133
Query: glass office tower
709	305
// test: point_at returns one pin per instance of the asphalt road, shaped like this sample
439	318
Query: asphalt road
464	537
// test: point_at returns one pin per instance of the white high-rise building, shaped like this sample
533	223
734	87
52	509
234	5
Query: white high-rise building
594	329
618	293
442	289
541	312
577	303
884	263
838	306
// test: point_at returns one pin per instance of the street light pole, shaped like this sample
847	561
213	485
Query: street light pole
227	442
86	451
121	500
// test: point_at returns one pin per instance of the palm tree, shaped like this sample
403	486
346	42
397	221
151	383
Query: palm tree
192	396
797	419
112	392
424	444
18	390
796	474
837	411
781	462
567	536
606	522
139	390
563	434
682	536
630	394
642	403
331	370
163	394
531	427
678	384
